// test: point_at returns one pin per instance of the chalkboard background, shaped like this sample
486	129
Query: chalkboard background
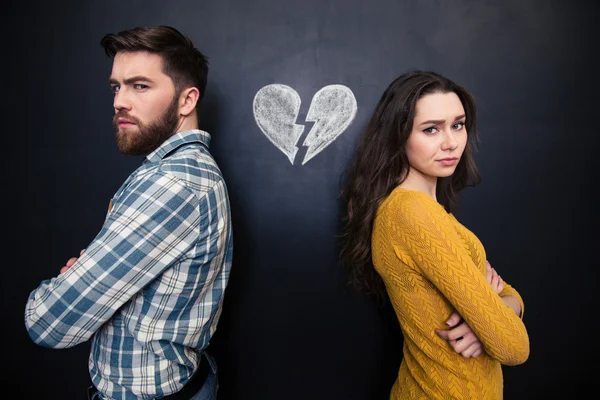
290	328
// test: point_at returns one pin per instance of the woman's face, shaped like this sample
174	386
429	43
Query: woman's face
438	137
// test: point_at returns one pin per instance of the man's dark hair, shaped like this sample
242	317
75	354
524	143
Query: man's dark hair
182	62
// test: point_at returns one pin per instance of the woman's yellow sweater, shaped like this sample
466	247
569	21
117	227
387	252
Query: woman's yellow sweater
433	266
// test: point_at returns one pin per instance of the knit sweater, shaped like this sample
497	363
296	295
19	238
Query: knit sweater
432	266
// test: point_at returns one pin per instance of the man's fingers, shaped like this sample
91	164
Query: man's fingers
71	261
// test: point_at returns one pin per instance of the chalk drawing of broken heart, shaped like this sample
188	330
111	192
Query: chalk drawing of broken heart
276	108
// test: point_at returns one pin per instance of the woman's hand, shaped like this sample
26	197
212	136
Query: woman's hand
461	337
493	278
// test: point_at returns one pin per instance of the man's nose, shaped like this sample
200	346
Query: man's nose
121	101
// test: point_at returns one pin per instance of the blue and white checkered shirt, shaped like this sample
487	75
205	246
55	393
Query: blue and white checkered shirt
149	288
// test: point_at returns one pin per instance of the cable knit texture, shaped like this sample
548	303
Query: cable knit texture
432	266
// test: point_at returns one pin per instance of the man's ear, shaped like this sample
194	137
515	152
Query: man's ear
188	100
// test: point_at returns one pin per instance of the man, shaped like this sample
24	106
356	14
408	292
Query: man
148	290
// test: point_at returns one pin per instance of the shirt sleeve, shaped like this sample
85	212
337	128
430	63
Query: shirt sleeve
429	237
154	223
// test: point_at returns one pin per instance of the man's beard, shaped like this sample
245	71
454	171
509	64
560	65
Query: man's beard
148	137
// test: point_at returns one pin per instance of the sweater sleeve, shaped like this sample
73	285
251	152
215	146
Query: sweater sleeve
425	231
511	291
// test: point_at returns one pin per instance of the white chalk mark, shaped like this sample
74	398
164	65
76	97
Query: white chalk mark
276	109
333	109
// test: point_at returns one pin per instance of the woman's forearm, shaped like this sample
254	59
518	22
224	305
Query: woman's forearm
513	303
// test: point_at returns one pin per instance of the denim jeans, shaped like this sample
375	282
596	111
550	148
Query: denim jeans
208	391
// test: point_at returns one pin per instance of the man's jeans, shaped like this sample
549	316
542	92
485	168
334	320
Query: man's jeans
208	391
211	385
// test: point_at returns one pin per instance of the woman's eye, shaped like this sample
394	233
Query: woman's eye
458	126
430	130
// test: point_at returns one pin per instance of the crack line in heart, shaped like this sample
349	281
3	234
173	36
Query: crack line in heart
276	108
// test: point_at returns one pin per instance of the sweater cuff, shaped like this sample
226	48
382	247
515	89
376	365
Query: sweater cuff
510	291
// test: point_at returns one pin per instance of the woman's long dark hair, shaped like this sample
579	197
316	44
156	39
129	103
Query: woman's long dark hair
381	164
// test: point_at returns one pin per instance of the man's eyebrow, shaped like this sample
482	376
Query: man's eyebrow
129	81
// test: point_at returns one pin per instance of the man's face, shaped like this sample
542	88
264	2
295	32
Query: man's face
146	106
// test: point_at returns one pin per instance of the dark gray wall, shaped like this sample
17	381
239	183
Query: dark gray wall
290	329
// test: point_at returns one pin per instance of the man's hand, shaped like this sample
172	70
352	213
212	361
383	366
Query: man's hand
462	339
70	262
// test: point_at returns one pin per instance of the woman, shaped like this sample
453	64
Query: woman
459	319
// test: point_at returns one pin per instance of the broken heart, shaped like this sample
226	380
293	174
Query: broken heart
276	109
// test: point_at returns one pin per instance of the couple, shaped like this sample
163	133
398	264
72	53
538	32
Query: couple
148	290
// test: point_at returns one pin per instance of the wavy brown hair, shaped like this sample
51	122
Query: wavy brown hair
381	164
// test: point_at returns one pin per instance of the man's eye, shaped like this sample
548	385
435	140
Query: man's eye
139	86
115	89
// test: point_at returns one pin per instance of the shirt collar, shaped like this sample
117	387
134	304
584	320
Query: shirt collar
178	139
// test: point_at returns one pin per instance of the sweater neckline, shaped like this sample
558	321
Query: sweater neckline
423	194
